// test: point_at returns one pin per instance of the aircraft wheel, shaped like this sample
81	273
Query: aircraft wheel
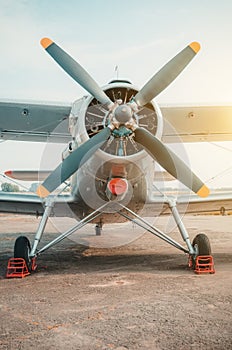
22	249
201	245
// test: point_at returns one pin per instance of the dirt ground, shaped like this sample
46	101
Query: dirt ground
140	296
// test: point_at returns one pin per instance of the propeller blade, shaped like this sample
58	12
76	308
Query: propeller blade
76	71
167	74
73	162
170	161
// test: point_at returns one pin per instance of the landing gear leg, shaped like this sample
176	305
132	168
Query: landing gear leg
181	227
48	208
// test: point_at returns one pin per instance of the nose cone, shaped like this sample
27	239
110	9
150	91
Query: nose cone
123	114
117	186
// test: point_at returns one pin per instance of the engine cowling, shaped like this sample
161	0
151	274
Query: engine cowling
88	117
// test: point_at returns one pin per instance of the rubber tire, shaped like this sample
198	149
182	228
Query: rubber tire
22	249
203	244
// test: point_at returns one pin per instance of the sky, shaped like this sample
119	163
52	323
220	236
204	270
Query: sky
138	37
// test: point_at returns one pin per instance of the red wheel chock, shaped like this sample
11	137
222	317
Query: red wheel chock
17	267
203	264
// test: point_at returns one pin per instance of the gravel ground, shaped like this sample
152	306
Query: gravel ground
140	296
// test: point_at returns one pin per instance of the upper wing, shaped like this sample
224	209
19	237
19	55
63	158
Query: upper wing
21	121
197	124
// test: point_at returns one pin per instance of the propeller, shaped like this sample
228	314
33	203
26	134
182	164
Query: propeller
123	115
72	163
166	75
170	161
76	71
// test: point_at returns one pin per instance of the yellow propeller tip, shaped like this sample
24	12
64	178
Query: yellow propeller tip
195	46
203	191
46	42
42	191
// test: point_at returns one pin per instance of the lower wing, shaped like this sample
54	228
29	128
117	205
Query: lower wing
220	203
215	203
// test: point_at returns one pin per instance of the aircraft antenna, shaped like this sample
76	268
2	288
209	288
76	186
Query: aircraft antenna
116	69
